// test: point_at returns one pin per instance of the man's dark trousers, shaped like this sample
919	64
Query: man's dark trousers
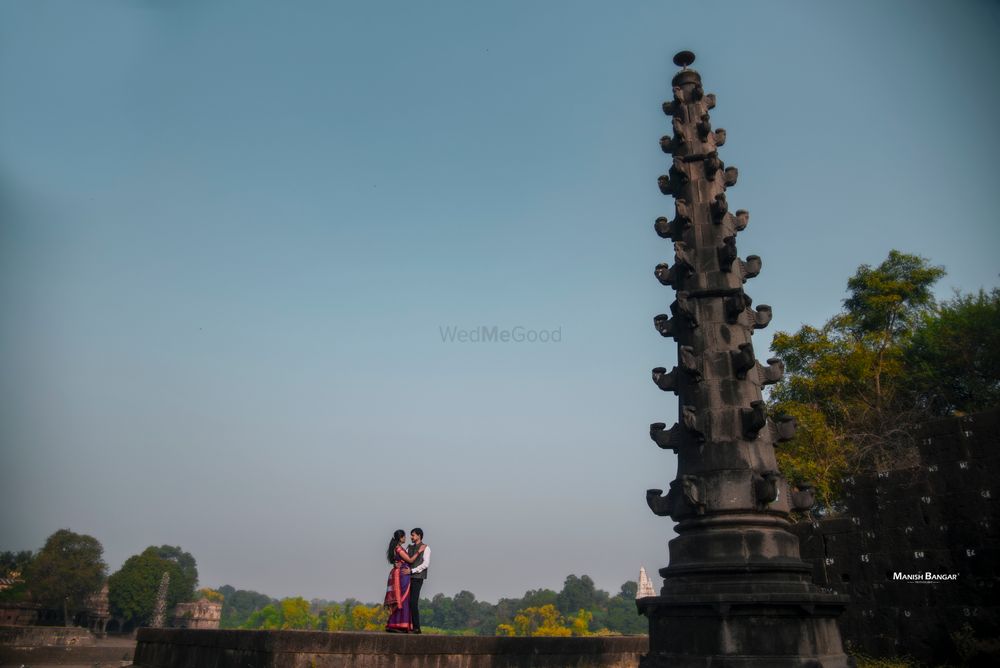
415	585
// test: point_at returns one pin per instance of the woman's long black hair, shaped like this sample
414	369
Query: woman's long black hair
390	554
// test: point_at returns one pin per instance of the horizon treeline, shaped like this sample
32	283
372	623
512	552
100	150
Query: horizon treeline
579	608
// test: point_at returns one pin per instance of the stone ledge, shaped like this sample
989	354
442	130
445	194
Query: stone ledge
66	656
170	648
41	636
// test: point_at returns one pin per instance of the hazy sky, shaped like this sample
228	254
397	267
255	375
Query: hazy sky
230	233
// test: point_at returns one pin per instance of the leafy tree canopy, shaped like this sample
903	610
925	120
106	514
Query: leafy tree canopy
13	564
579	593
536	613
132	589
239	604
893	357
187	568
954	354
295	613
66	571
210	594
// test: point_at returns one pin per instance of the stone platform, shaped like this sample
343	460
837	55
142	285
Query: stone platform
187	648
43	646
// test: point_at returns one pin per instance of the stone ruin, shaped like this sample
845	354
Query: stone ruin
735	592
200	614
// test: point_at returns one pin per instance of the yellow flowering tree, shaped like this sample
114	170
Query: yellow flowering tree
538	621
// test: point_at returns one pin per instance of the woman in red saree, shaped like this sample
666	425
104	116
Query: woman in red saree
397	590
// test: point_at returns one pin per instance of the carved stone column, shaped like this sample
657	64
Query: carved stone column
736	592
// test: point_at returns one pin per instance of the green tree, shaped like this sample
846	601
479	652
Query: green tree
66	571
579	593
187	569
333	617
883	305
369	617
132	589
541	621
268	617
629	590
847	382
295	614
239	604
622	616
580	622
13	564
210	595
954	354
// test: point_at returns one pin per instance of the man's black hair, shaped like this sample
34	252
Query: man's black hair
419	532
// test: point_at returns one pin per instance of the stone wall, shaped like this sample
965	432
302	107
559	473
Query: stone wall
200	614
18	614
938	518
176	648
41	636
72	657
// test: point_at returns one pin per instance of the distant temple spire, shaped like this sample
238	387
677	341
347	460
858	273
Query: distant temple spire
645	586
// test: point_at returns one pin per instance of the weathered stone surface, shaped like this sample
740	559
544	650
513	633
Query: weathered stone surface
200	614
177	648
933	518
42	636
736	592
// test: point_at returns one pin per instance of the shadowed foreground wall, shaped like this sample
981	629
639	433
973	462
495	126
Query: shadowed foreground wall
190	648
938	517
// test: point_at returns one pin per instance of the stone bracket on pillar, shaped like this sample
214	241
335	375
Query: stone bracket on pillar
751	267
727	253
743	360
684	307
765	487
783	428
730	176
734	304
689	362
802	497
712	165
665	325
719	208
666	439
691	492
665	380
692	421
772	373
762	317
754	419
704	127
674	230
742	219
657	502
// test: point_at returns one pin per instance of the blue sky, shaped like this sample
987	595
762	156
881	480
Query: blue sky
230	233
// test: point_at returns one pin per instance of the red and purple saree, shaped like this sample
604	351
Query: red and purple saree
397	596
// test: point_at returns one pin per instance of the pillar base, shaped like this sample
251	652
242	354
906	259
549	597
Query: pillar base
745	630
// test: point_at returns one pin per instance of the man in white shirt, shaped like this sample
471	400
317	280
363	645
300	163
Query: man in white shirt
418	573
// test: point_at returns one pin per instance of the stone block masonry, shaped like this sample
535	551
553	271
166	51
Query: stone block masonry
190	648
918	549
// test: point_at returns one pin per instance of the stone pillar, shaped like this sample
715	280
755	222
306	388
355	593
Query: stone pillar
735	592
160	610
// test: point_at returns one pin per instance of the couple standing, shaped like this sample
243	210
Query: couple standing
409	570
